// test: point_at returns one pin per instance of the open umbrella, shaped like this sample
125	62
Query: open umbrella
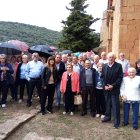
42	50
21	45
66	52
53	48
9	49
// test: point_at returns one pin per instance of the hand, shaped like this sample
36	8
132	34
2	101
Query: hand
124	98
6	68
62	92
110	87
106	88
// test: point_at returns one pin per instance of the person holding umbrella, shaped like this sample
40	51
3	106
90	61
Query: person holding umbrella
5	74
33	75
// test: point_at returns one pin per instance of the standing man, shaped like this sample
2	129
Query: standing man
76	66
87	86
103	58
33	75
6	72
124	62
112	77
60	69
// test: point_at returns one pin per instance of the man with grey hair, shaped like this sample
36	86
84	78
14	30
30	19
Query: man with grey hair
124	62
103	58
33	75
5	77
87	86
112	78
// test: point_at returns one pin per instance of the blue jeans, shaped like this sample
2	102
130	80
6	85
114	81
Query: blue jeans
135	108
58	94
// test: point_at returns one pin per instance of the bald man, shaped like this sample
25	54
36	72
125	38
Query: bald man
124	62
112	78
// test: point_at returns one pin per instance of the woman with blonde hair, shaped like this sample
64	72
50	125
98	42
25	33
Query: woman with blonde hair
49	77
69	86
130	93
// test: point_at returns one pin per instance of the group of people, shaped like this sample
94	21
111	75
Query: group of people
101	81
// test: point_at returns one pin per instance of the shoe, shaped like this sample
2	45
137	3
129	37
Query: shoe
71	113
3	105
43	113
135	128
106	120
116	127
97	115
125	124
83	113
50	112
20	101
64	113
102	116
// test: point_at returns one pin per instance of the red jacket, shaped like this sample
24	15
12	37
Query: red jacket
74	82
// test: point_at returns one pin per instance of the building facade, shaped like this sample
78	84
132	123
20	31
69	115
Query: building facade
120	31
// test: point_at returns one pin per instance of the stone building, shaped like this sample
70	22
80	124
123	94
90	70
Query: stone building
120	31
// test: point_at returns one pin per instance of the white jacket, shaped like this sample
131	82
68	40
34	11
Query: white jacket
131	88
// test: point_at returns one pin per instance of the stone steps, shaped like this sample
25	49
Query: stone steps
11	125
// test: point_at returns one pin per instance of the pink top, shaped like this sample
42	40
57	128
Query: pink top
74	82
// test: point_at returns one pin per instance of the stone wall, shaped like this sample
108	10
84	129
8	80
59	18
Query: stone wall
104	32
122	31
116	27
130	29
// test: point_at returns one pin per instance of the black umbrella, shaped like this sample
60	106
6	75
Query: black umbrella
42	50
9	49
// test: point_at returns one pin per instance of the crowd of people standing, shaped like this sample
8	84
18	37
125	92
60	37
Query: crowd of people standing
100	80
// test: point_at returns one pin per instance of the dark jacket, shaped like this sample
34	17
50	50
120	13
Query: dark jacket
115	77
99	77
83	78
60	71
46	76
18	72
9	73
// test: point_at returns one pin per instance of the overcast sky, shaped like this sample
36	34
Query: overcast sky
46	13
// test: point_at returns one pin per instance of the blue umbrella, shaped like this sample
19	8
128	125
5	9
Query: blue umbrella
9	49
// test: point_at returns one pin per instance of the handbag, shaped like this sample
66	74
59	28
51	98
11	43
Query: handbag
77	100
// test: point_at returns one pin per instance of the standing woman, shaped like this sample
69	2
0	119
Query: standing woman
69	86
100	97
21	77
130	93
6	72
49	77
